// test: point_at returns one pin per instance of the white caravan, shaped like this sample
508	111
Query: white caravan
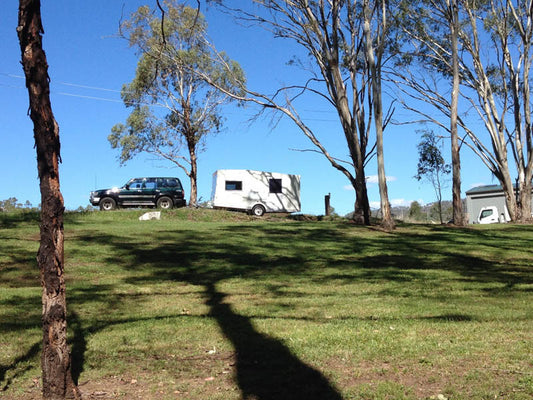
256	191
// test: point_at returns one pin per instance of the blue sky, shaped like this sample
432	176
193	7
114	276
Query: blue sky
88	64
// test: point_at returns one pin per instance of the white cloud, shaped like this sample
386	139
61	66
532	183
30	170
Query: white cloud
375	204
371	179
473	185
374	179
400	203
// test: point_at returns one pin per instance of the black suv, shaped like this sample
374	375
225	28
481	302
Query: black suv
163	193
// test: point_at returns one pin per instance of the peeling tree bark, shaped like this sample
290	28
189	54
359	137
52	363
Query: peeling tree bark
55	359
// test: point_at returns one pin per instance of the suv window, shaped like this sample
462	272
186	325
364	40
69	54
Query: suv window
149	184
135	184
168	183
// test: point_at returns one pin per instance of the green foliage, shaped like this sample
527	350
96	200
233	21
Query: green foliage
415	211
431	164
12	204
173	106
428	32
142	133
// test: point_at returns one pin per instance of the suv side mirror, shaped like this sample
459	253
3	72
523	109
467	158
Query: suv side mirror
127	186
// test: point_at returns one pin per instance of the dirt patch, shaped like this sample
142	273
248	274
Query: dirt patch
214	378
422	380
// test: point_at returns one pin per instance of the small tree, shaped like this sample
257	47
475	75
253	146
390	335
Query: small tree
415	211
431	166
173	109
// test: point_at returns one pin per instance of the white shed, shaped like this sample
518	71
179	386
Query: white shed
256	191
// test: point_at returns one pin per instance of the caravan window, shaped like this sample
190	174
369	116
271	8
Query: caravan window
274	185
233	185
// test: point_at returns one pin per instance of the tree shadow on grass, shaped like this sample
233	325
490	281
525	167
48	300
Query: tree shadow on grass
29	355
266	369
79	346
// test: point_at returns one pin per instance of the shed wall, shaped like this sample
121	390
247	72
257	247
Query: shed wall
474	204
477	200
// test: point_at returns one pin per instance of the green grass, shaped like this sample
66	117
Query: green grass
217	305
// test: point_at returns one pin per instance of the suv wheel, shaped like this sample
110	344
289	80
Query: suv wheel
107	204
165	203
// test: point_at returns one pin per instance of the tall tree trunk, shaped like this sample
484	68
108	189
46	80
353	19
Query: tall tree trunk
457	203
375	70
387	221
525	201
526	150
351	128
509	192
361	215
439	197
193	175
55	359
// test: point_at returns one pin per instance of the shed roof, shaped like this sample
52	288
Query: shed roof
485	189
488	189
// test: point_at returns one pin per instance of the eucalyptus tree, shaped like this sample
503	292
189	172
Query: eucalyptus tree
347	44
432	52
55	356
493	64
510	25
431	166
376	29
173	109
451	12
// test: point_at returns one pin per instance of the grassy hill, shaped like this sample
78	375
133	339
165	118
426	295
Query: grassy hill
208	304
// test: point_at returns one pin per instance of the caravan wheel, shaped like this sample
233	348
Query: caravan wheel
258	210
